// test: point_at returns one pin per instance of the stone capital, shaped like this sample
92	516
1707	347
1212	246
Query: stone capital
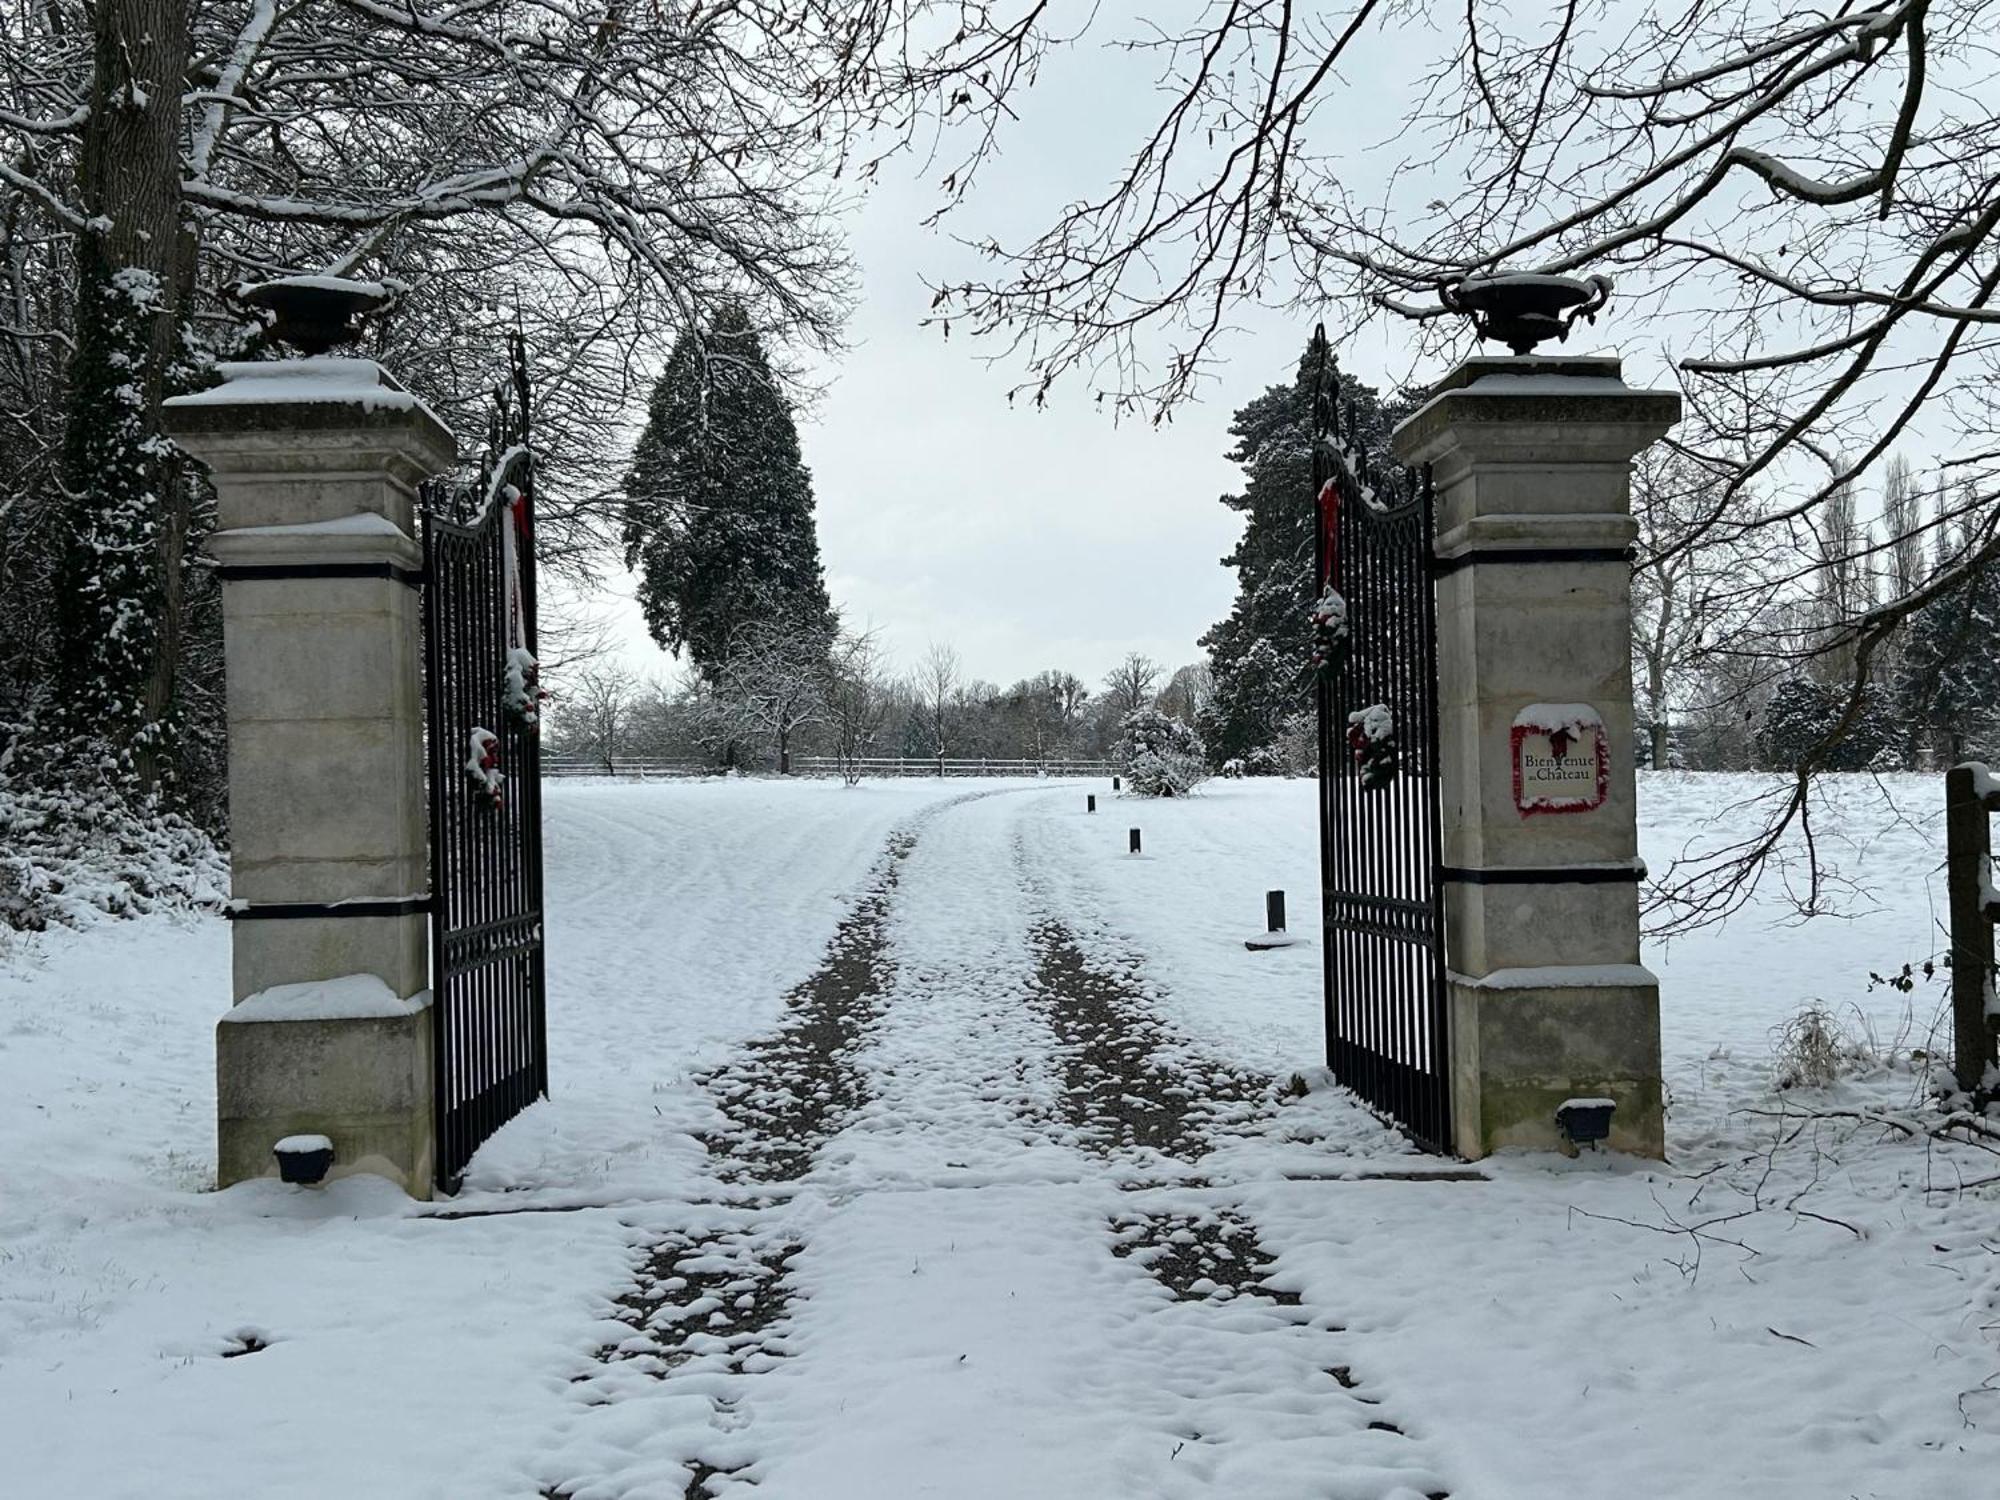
1531	411
301	441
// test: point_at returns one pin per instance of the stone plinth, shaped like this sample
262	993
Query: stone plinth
315	465
1531	460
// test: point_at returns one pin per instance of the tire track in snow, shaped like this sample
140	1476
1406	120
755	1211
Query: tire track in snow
857	1329
709	1308
1133	1085
794	1089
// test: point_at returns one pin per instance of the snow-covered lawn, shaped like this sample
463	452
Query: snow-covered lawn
997	1197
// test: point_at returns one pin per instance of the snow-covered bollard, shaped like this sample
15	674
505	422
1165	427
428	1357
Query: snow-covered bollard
303	1159
1274	934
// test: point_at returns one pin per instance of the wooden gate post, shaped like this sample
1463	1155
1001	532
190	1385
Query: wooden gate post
315	464
1531	462
1969	798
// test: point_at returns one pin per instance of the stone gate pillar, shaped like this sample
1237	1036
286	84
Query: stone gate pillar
1531	460
315	464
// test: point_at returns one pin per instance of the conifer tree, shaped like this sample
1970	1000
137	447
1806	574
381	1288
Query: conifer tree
1948	683
719	502
1259	655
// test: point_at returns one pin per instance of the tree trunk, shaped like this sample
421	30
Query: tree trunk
119	605
1658	729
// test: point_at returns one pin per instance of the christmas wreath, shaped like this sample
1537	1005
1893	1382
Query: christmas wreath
482	767
1371	738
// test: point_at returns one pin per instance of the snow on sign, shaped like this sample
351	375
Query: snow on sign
1562	762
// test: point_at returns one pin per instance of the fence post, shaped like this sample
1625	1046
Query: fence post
1968	874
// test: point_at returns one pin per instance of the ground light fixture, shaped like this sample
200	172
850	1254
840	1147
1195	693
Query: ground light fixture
1585	1122
303	1159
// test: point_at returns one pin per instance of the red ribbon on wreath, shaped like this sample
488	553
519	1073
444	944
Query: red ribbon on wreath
1329	531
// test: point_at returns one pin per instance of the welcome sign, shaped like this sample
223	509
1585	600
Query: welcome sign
1562	760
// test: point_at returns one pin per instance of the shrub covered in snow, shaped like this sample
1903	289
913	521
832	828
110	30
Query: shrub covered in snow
1160	755
77	847
1263	761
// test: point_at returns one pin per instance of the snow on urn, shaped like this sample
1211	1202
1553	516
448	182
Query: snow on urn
311	314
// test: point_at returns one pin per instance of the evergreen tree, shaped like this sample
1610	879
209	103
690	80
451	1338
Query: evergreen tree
1949	678
1259	655
719	502
1803	712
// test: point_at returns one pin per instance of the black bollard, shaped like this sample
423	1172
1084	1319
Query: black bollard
1274	911
1135	841
1114	783
1092	801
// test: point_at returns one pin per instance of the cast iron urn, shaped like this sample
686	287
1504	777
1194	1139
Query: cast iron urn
1522	308
313	314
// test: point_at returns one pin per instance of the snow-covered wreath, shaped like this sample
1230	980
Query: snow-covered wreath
482	767
1371	737
1330	635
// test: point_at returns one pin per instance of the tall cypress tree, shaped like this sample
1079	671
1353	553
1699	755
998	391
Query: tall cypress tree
1259	655
1949	678
719	502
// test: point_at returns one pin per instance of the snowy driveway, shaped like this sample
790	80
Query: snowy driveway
914	1141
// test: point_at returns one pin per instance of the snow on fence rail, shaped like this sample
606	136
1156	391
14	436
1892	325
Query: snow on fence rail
645	767
1971	795
886	765
620	765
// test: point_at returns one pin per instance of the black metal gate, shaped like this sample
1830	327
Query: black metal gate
481	715
1379	784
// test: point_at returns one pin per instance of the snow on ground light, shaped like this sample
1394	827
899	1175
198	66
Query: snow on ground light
995	1196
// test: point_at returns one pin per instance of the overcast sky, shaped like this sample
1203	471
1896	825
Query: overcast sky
1030	539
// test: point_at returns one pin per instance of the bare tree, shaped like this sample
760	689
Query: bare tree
597	177
857	699
1807	196
1188	691
935	686
770	686
595	710
1129	685
1688	604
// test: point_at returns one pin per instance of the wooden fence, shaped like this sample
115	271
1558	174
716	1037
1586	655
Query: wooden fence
647	768
886	765
1971	794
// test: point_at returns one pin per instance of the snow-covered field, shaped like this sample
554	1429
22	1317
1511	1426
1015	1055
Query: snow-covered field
996	1197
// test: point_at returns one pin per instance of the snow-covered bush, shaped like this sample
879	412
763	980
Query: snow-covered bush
73	850
1161	756
1263	761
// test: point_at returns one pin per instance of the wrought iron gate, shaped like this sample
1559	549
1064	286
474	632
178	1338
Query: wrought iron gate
1379	784
481	716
